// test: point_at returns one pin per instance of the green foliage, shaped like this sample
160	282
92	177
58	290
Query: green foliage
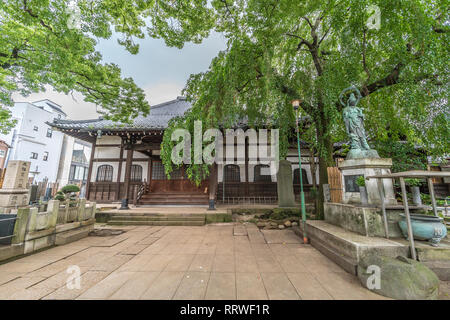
312	50
70	188
48	43
405	156
60	196
360	181
413	182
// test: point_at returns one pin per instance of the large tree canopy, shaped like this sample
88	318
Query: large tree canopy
52	42
280	50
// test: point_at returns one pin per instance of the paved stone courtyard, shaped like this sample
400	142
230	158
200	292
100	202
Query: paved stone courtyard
208	262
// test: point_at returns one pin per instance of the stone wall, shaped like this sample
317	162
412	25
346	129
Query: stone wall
363	220
36	230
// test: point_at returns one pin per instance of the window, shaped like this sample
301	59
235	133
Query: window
45	157
232	173
35	128
34	155
136	173
49	132
104	173
262	173
297	177
72	172
158	171
2	153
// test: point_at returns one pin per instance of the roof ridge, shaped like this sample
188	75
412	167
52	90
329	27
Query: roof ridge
162	104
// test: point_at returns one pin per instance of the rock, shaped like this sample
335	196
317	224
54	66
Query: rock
260	224
281	226
287	224
294	224
400	278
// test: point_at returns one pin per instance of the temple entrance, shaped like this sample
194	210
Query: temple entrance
176	190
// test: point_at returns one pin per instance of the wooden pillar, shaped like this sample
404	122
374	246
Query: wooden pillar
149	173
119	172
127	179
91	161
213	179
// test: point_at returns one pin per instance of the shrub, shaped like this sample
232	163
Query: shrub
59	196
70	188
413	182
360	181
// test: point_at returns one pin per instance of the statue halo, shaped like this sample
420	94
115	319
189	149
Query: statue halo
351	88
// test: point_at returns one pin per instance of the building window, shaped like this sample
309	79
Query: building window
262	173
158	171
72	172
35	128
296	179
45	157
2	153
34	155
136	173
232	173
49	132
104	173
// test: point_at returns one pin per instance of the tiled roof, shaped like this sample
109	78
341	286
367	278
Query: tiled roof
158	118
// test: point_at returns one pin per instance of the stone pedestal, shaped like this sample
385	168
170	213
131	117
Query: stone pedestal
285	187
14	192
353	168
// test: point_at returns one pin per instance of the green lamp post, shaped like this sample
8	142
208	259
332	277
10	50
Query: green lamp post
296	105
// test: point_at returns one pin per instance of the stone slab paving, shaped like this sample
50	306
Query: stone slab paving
176	262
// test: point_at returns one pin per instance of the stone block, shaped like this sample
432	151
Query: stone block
13	197
16	176
20	228
285	187
368	167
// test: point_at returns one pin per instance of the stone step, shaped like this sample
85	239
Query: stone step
172	202
160	218
346	248
155	223
174	195
441	268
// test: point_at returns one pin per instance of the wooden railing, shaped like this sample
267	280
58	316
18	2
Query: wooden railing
140	191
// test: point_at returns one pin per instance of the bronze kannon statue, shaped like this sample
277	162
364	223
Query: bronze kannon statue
354	126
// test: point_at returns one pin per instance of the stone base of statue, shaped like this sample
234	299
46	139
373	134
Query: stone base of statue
362	154
353	168
285	188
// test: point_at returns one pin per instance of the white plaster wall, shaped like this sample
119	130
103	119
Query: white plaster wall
109	140
107	152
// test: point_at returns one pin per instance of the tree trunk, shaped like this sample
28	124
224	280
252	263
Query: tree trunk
325	154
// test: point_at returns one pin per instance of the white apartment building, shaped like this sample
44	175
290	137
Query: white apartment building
33	140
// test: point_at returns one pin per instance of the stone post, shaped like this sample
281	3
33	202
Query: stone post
53	210
20	228
93	208
285	186
81	210
32	220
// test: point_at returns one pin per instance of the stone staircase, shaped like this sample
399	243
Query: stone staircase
156	219
174	198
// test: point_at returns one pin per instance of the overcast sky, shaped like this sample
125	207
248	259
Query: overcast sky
159	70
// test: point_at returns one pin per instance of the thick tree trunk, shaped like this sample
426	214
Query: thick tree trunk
325	154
